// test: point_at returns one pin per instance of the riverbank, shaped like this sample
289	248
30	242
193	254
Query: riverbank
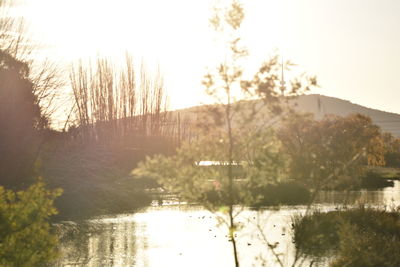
109	189
357	236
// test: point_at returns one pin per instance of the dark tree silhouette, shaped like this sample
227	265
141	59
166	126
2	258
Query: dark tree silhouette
19	121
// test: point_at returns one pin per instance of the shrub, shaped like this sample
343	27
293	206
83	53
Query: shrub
25	233
359	237
366	248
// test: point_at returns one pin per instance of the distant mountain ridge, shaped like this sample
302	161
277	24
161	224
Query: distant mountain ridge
321	105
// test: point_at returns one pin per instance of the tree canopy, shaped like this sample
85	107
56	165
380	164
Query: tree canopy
234	136
20	120
333	147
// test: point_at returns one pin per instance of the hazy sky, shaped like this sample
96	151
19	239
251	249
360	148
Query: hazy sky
353	46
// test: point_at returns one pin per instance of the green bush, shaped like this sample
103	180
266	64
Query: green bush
25	233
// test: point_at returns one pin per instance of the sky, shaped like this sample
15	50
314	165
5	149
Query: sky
352	46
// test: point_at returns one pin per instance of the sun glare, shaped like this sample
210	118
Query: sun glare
199	133
174	35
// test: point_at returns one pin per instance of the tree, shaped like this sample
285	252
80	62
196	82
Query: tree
392	150
235	149
25	234
46	77
113	103
334	147
28	94
20	118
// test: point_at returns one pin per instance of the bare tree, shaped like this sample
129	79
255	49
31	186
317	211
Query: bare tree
118	102
45	76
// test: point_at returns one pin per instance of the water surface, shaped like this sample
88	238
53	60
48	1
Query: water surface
183	235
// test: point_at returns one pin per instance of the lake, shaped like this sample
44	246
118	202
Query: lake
184	235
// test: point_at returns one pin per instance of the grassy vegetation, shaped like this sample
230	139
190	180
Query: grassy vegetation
357	237
95	179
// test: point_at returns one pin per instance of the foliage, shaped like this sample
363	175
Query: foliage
19	120
363	229
392	150
184	174
27	92
233	134
335	147
364	247
25	233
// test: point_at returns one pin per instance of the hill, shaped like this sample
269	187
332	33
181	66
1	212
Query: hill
321	105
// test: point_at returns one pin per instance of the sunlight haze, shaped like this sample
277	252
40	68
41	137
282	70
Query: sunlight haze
218	133
352	46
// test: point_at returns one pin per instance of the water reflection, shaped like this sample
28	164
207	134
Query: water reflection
105	242
190	236
173	236
389	196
